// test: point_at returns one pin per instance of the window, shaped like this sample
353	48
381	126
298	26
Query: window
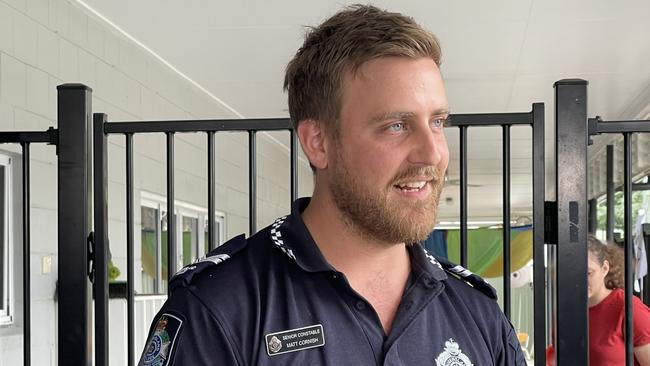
191	245
6	252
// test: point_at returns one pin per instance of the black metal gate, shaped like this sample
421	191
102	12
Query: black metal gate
102	128
568	225
83	252
534	119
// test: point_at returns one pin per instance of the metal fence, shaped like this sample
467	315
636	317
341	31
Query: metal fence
568	224
534	119
102	129
83	250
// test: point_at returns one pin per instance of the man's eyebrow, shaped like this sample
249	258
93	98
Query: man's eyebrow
404	115
441	112
392	115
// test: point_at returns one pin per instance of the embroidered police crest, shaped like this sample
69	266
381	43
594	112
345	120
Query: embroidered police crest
275	345
161	343
452	356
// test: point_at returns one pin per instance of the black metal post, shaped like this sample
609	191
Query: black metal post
507	297
463	196
171	220
130	240
74	192
629	270
27	298
252	182
101	240
571	182
294	166
539	192
212	243
611	204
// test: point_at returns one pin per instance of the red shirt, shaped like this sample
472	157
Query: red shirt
607	329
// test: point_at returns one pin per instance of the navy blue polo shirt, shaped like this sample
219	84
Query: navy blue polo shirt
273	299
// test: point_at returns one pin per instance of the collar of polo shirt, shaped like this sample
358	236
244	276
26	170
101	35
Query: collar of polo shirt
290	235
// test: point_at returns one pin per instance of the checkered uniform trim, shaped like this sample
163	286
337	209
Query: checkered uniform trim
276	237
461	271
432	259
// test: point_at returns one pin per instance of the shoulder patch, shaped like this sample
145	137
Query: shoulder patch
469	278
159	349
214	257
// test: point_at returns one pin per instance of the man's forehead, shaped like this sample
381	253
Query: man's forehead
362	69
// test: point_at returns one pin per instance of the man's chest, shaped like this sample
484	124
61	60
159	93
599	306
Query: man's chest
337	331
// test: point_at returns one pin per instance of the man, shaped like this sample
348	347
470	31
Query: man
343	280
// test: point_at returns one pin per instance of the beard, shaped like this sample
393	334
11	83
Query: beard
376	214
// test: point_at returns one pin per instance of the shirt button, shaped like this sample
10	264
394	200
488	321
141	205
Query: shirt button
335	276
360	305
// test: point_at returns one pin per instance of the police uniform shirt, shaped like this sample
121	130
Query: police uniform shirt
273	299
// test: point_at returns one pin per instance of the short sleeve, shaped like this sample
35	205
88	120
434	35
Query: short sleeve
184	332
641	323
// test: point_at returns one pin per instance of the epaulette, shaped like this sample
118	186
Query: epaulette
469	278
215	257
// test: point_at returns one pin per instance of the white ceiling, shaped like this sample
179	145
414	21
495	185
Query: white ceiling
498	56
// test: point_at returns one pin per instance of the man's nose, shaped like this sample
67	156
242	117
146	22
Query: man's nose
429	148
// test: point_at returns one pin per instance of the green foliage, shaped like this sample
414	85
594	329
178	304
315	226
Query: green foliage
637	203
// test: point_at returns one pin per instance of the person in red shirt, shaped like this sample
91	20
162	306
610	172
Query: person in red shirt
607	310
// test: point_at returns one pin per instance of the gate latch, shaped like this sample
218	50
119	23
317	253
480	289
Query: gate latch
550	222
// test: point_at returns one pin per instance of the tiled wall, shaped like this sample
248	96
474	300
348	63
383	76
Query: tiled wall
44	43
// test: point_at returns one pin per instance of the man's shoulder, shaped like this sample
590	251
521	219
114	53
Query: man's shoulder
462	279
234	260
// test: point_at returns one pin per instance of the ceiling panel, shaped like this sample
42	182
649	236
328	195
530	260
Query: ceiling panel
498	56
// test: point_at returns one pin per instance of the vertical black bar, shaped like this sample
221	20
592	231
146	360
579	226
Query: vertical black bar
101	240
571	183
593	216
294	167
171	220
463	196
507	298
130	240
27	298
539	196
74	193
610	193
252	182
629	274
212	243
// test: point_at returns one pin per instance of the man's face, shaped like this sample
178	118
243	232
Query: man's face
387	166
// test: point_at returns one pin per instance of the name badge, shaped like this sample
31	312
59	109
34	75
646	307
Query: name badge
295	340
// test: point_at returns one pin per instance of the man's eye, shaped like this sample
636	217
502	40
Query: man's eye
439	122
396	127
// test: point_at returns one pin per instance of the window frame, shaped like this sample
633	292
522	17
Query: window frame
7	301
181	209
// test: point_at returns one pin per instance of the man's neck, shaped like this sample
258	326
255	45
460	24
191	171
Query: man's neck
377	271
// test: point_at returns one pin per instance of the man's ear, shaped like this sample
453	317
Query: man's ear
313	140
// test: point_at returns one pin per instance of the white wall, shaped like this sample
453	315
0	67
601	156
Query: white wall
44	43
